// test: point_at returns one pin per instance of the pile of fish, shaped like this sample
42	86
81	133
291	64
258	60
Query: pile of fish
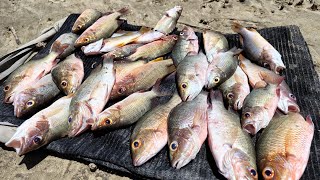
225	94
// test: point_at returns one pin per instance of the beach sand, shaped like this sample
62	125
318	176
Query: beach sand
29	17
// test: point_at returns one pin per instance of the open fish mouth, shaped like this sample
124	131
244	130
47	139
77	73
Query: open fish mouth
250	127
9	98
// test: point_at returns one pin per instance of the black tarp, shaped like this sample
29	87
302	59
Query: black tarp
111	149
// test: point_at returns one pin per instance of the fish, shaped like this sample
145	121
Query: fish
235	89
259	107
42	128
126	111
191	76
283	148
124	51
33	70
68	74
222	67
125	67
154	49
150	134
187	130
262	76
169	21
86	19
64	45
104	27
90	99
258	49
120	32
93	48
141	78
32	99
187	44
148	37
231	147
214	42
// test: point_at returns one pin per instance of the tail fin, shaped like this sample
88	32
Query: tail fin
236	26
235	50
271	78
156	87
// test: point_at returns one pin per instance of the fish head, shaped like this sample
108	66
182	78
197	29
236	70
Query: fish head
187	33
235	95
109	118
278	167
287	101
77	120
188	86
30	136
144	146
215	77
68	81
85	39
78	26
182	148
174	12
273	59
170	38
10	88
253	119
27	102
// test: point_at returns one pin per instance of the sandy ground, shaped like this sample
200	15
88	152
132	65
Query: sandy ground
29	17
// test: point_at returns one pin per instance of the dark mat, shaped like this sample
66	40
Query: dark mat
111	150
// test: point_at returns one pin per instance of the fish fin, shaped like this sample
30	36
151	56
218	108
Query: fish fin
241	40
276	79
309	121
216	95
156	87
157	59
124	11
236	26
260	84
144	29
252	29
235	50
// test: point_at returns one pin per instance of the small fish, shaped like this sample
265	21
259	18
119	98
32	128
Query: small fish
258	49
42	128
187	44
230	146
148	37
32	99
236	89
191	76
284	146
124	51
169	21
259	107
86	19
154	49
262	76
141	78
214	42
68	74
150	134
64	45
91	97
102	28
222	67
187	130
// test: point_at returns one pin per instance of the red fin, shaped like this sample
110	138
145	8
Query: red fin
271	77
260	84
236	26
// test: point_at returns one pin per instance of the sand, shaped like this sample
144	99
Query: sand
29	17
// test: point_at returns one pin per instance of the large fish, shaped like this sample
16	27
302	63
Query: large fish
214	42
169	21
191	76
284	146
102	28
86	19
258	49
68	74
154	49
141	78
42	128
32	99
187	130
236	89
259	107
222	67
150	134
259	75
187	44
230	146
30	72
91	97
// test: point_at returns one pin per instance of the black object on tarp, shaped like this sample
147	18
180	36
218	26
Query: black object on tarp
111	149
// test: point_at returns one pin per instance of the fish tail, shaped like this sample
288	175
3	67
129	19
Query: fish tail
236	26
235	50
156	87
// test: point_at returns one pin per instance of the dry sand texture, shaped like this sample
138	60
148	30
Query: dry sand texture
29	17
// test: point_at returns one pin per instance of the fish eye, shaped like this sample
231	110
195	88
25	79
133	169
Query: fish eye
36	140
266	65
230	96
108	121
268	173
79	27
174	146
292	96
121	90
247	115
216	79
30	103
64	83
136	144
86	39
69	119
184	85
253	172
6	88
181	33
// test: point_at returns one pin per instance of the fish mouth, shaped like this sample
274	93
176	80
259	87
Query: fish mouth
179	163
250	127
293	107
17	111
187	98
18	145
8	99
139	161
237	105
